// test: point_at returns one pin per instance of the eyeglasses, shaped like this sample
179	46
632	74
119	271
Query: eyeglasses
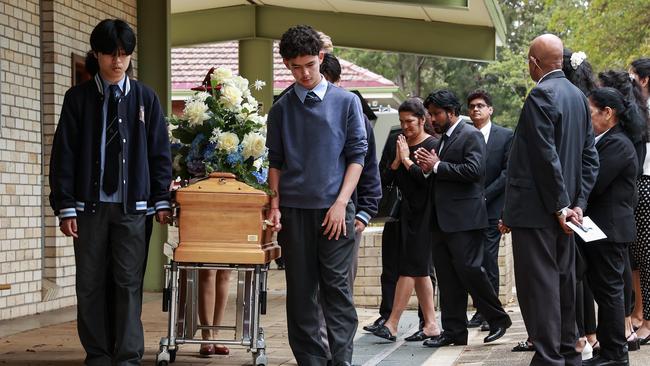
477	105
533	59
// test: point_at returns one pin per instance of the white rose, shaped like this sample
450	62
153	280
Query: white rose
221	75
241	83
231	96
228	142
254	145
196	112
258	163
201	96
249	107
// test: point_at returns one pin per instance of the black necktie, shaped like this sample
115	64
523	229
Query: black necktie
443	142
312	97
113	147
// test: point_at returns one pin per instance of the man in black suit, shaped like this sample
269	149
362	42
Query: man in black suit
457	169
498	140
552	167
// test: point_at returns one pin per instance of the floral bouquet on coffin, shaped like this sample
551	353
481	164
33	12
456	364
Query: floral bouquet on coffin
221	131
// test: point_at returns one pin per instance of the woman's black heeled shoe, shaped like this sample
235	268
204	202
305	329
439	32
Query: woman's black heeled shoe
645	340
633	342
384	332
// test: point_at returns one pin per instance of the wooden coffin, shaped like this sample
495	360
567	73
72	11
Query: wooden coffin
221	220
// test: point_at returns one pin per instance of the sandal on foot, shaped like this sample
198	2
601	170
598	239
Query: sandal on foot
221	350
384	332
207	350
633	342
523	346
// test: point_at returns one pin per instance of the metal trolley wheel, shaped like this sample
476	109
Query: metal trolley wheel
259	358
183	324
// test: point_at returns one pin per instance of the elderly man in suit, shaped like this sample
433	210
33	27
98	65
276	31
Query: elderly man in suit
552	168
457	168
497	140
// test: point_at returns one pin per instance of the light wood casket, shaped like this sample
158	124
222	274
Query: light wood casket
221	220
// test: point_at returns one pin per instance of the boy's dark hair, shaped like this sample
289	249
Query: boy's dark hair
331	68
480	93
301	40
109	37
444	99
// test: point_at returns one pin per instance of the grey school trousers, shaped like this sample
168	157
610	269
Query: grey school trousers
109	256
317	271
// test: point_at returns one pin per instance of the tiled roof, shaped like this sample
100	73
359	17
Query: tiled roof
190	64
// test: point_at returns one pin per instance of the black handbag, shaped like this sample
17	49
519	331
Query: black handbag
389	205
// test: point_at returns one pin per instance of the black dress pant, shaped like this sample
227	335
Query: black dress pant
544	261
585	306
390	243
458	259
491	241
605	267
629	285
109	257
317	271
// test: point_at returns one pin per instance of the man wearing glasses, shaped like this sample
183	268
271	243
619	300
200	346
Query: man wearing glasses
498	140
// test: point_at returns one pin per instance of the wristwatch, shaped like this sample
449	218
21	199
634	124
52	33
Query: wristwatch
562	212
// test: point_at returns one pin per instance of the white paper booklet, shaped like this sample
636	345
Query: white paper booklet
588	231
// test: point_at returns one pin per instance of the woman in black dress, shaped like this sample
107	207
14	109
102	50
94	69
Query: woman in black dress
415	233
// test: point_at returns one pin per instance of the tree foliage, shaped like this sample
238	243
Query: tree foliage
611	32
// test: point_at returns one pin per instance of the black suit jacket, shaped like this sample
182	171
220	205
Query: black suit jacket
553	162
459	188
614	196
496	163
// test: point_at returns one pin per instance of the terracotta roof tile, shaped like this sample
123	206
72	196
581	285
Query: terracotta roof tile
190	64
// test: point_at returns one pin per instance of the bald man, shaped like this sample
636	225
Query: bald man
552	169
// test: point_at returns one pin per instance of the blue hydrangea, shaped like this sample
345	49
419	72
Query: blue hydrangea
235	157
208	153
261	175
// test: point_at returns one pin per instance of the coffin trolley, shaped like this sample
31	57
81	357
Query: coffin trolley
221	226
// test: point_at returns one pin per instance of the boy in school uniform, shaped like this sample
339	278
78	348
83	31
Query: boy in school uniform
110	161
317	145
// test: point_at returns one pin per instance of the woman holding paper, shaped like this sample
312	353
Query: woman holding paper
611	207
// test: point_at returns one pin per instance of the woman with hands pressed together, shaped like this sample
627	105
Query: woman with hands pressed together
415	216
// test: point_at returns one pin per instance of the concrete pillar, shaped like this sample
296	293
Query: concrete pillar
154	69
256	63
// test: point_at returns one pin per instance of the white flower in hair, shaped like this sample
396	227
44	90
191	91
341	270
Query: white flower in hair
259	84
577	58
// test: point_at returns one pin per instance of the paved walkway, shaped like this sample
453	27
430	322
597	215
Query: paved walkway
50	339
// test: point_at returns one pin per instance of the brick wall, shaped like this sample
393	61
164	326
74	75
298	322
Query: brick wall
367	287
35	258
20	158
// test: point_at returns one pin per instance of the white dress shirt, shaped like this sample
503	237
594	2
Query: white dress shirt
442	145
485	130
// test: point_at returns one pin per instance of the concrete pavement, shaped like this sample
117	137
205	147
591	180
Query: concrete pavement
50	339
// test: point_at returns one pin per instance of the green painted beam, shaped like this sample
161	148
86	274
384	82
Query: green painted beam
154	69
498	19
347	30
256	63
213	25
431	3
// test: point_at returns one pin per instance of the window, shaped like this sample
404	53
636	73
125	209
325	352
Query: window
79	72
